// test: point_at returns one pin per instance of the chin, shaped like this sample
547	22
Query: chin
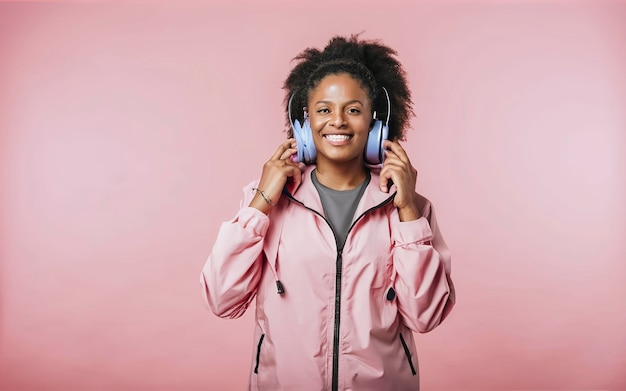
342	158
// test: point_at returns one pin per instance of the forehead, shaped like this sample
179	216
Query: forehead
339	85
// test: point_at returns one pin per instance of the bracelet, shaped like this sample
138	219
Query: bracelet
265	197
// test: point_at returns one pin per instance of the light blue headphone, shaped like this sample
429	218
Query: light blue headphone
374	152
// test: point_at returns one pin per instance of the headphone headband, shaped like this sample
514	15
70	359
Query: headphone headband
388	106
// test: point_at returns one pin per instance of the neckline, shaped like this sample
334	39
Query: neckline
363	183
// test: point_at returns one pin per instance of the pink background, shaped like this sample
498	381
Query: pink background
127	131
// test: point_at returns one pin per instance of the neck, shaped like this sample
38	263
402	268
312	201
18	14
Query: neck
345	176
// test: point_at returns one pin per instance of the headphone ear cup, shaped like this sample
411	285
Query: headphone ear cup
304	141
374	150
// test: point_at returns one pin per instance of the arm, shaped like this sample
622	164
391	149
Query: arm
421	271
232	272
421	260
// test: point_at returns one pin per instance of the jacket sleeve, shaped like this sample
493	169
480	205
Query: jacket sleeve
421	271
233	269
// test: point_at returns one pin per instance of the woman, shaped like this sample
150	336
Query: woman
344	258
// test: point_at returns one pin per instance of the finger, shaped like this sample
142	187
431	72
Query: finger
385	180
396	148
393	158
295	176
393	162
285	145
288	153
401	175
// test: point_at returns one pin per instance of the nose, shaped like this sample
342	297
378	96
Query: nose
338	120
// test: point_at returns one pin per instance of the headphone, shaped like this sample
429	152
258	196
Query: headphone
374	152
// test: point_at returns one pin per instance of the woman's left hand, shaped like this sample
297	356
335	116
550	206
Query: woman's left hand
398	169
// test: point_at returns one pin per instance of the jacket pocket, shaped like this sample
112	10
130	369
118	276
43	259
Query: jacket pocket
406	352
258	354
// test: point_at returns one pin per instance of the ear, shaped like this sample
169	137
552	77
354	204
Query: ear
306	112
373	120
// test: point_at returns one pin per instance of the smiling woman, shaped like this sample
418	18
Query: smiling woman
340	119
127	130
344	258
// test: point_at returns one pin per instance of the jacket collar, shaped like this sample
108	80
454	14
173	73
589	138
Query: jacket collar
307	194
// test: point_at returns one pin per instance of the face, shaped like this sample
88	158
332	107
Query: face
339	110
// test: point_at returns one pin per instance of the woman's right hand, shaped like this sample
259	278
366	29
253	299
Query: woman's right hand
276	172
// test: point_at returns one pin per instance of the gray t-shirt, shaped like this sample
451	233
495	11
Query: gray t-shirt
340	206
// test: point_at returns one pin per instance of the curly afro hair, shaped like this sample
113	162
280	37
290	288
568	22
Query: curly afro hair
371	63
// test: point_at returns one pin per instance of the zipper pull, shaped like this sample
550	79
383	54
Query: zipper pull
279	286
391	294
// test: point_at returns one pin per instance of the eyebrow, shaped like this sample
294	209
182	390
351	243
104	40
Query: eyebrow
347	103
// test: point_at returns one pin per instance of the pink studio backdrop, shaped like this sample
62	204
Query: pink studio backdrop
127	131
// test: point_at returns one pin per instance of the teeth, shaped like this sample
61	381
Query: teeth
337	137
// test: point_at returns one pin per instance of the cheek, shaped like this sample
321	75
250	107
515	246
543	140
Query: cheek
364	125
317	124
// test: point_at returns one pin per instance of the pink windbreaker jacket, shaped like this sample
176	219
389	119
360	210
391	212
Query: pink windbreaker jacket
330	320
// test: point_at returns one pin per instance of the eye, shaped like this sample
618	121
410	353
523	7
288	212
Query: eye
323	111
354	110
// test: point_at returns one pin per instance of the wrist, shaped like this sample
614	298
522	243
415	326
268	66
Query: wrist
265	197
261	201
409	213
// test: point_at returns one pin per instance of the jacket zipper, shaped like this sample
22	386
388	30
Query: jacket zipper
339	264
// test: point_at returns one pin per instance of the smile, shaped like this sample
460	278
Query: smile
337	137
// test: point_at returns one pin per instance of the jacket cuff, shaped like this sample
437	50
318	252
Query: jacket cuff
415	231
252	219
